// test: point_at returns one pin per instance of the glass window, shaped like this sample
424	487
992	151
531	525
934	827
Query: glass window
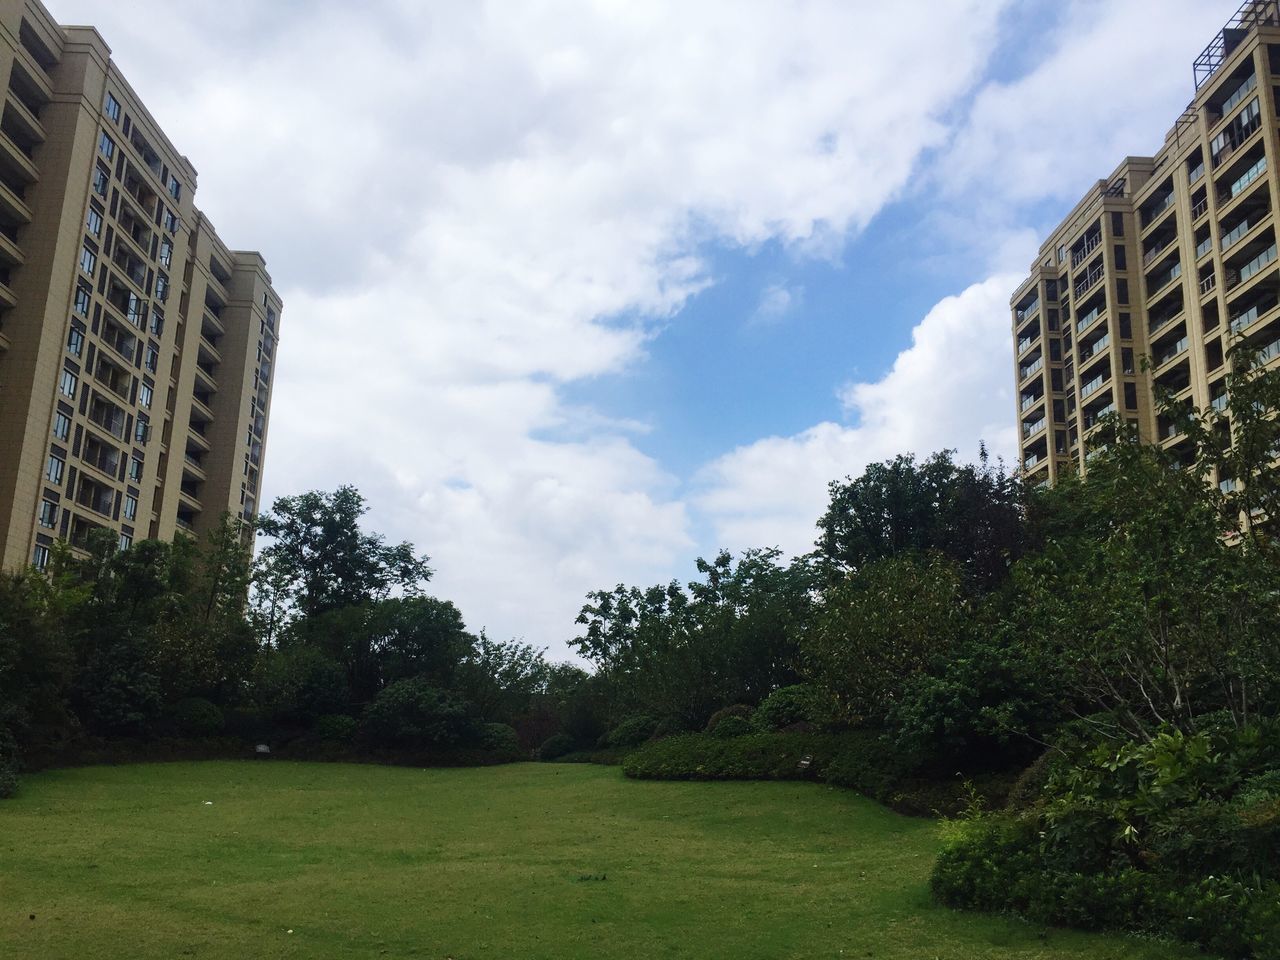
82	300
113	108
130	507
153	359
61	425
162	286
175	188
88	261
94	222
157	321
68	383
141	429
135	469
53	470
41	556
166	252
75	342
126	542
144	396
48	514
106	145
170	221
101	177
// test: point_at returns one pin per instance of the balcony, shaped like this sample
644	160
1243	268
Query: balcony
1199	208
1240	93
12	205
1159	281
1094	385
1091	350
1024	344
1177	350
1078	256
1243	126
1251	269
1248	318
1085	322
1239	230
108	416
95	496
1089	281
1219	403
1158	247
1269	352
1156	208
1032	368
1208	283
1230	485
1242	182
1022	314
1029	402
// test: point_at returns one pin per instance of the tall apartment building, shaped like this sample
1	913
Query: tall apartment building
136	349
1171	260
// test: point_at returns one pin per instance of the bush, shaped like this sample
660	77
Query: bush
501	738
198	718
739	710
337	728
248	724
8	779
631	732
556	746
413	713
796	706
732	726
759	756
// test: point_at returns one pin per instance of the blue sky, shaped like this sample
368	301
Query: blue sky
576	291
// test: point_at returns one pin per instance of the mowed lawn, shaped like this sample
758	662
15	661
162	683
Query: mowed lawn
275	859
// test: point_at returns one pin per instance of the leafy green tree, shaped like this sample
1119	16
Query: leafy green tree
415	714
971	514
501	679
318	559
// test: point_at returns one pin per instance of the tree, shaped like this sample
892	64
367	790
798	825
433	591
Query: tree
973	515
318	559
502	678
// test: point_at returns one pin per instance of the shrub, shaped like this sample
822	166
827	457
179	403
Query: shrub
760	756
198	718
732	726
794	706
556	746
739	710
501	738
413	713
337	728
631	732
247	723
8	779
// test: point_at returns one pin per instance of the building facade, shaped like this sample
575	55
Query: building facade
1161	269
136	349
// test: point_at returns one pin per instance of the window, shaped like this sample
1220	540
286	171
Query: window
1117	224
135	469
82	300
175	188
41	556
153	359
113	108
141	429
144	396
1122	291
94	222
126	542
166	252
1118	253
48	514
1062	252
75	342
101	177
88	261
53	470
68	383
61	425
162	287
130	507
170	221
106	146
1130	396
157	321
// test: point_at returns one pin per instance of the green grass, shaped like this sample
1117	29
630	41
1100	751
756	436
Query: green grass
525	861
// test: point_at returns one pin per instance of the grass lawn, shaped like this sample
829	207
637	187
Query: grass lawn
524	861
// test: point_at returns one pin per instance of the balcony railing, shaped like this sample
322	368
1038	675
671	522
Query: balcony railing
1096	347
1160	246
1159	323
1029	429
1031	461
1204	246
1166	278
1157	207
1251	268
1241	92
1208	283
1243	227
1219	404
1200	209
1269	352
1086	321
1094	385
1034	367
1090	281
1090	244
1029	402
1241	183
1176	350
1024	343
1230	485
1029	310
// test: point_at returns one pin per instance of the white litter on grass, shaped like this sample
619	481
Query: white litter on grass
208	803
288	931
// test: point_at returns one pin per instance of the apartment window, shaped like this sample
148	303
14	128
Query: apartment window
153	359
61	425
162	287
1130	396
144	396
1122	291
1126	327
1126	360
94	222
135	469
170	221
157	321
1062	252
88	260
68	383
106	146
48	514
113	108
101	177
75	342
141	429
126	542
1118	252
82	300
1117	224
166	252
53	470
41	556
175	188
130	507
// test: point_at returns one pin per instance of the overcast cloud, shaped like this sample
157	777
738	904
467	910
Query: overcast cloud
469	207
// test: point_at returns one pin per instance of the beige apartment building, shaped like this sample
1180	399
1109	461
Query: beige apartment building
1161	269
136	349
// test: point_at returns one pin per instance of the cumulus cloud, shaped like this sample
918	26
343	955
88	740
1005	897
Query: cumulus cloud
952	388
776	301
469	206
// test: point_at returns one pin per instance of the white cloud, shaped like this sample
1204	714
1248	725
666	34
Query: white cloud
777	300
951	389
468	206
